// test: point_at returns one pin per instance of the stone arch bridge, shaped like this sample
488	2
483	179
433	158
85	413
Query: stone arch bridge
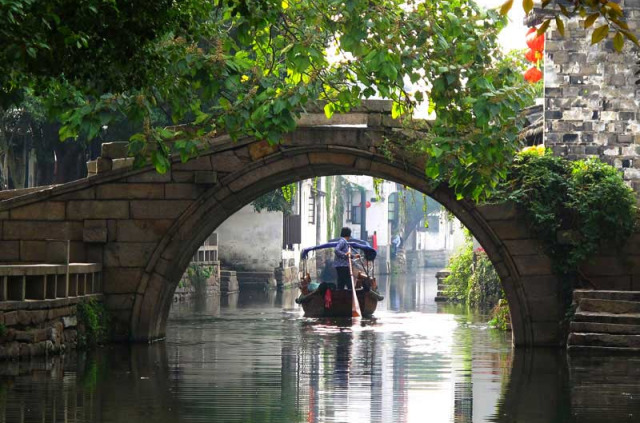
144	227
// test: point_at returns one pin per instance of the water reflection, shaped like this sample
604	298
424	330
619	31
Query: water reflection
254	358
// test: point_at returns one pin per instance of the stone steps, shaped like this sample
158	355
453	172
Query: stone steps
256	280
228	282
601	317
604	340
609	306
611	328
441	296
605	321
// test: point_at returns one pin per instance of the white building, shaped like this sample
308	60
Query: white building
257	244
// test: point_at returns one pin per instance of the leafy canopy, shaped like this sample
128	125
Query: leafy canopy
186	70
604	15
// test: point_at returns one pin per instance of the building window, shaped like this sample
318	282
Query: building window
349	205
393	207
356	215
312	209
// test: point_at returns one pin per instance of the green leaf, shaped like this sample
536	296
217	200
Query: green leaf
591	19
560	25
506	7
527	5
329	109
599	34
618	41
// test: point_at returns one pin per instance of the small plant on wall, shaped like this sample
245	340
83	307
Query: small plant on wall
96	322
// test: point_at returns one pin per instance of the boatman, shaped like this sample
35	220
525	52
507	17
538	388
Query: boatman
341	259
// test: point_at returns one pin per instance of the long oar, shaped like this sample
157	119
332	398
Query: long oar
355	305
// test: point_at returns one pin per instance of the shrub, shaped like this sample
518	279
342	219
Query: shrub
461	268
485	289
573	206
500	317
198	275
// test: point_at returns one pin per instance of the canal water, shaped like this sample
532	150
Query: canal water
253	357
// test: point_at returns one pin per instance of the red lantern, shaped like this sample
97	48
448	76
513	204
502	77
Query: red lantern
368	204
533	56
535	41
533	74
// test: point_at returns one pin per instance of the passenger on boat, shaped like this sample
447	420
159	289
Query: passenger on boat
341	261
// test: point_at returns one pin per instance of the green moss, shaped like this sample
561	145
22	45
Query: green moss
95	319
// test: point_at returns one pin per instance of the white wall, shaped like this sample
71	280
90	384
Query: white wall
449	236
251	241
377	213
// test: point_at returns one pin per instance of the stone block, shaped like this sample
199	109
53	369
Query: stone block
122	163
95	209
69	321
24	336
183	191
9	251
150	176
533	265
607	266
541	286
183	176
99	165
57	251
24	317
40	335
510	229
227	161
121	280
82	194
498	211
160	209
320	119
142	230
128	254
38	316
205	178
338	159
198	163
119	301
95	231
11	318
33	251
524	247
114	150
120	191
47	210
260	149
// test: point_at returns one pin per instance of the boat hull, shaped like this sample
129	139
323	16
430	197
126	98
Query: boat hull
313	303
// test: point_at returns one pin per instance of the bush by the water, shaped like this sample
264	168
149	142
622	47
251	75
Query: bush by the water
573	206
474	281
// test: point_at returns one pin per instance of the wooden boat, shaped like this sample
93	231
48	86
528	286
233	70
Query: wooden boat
323	300
313	303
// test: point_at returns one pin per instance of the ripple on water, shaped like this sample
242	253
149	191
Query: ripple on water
257	359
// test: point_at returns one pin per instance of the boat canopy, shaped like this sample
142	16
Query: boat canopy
363	246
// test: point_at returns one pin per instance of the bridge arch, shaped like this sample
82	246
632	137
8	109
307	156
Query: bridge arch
144	227
535	312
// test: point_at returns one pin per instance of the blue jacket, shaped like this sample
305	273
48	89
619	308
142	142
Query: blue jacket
340	252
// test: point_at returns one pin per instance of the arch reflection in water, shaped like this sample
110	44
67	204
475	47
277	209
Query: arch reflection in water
255	359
